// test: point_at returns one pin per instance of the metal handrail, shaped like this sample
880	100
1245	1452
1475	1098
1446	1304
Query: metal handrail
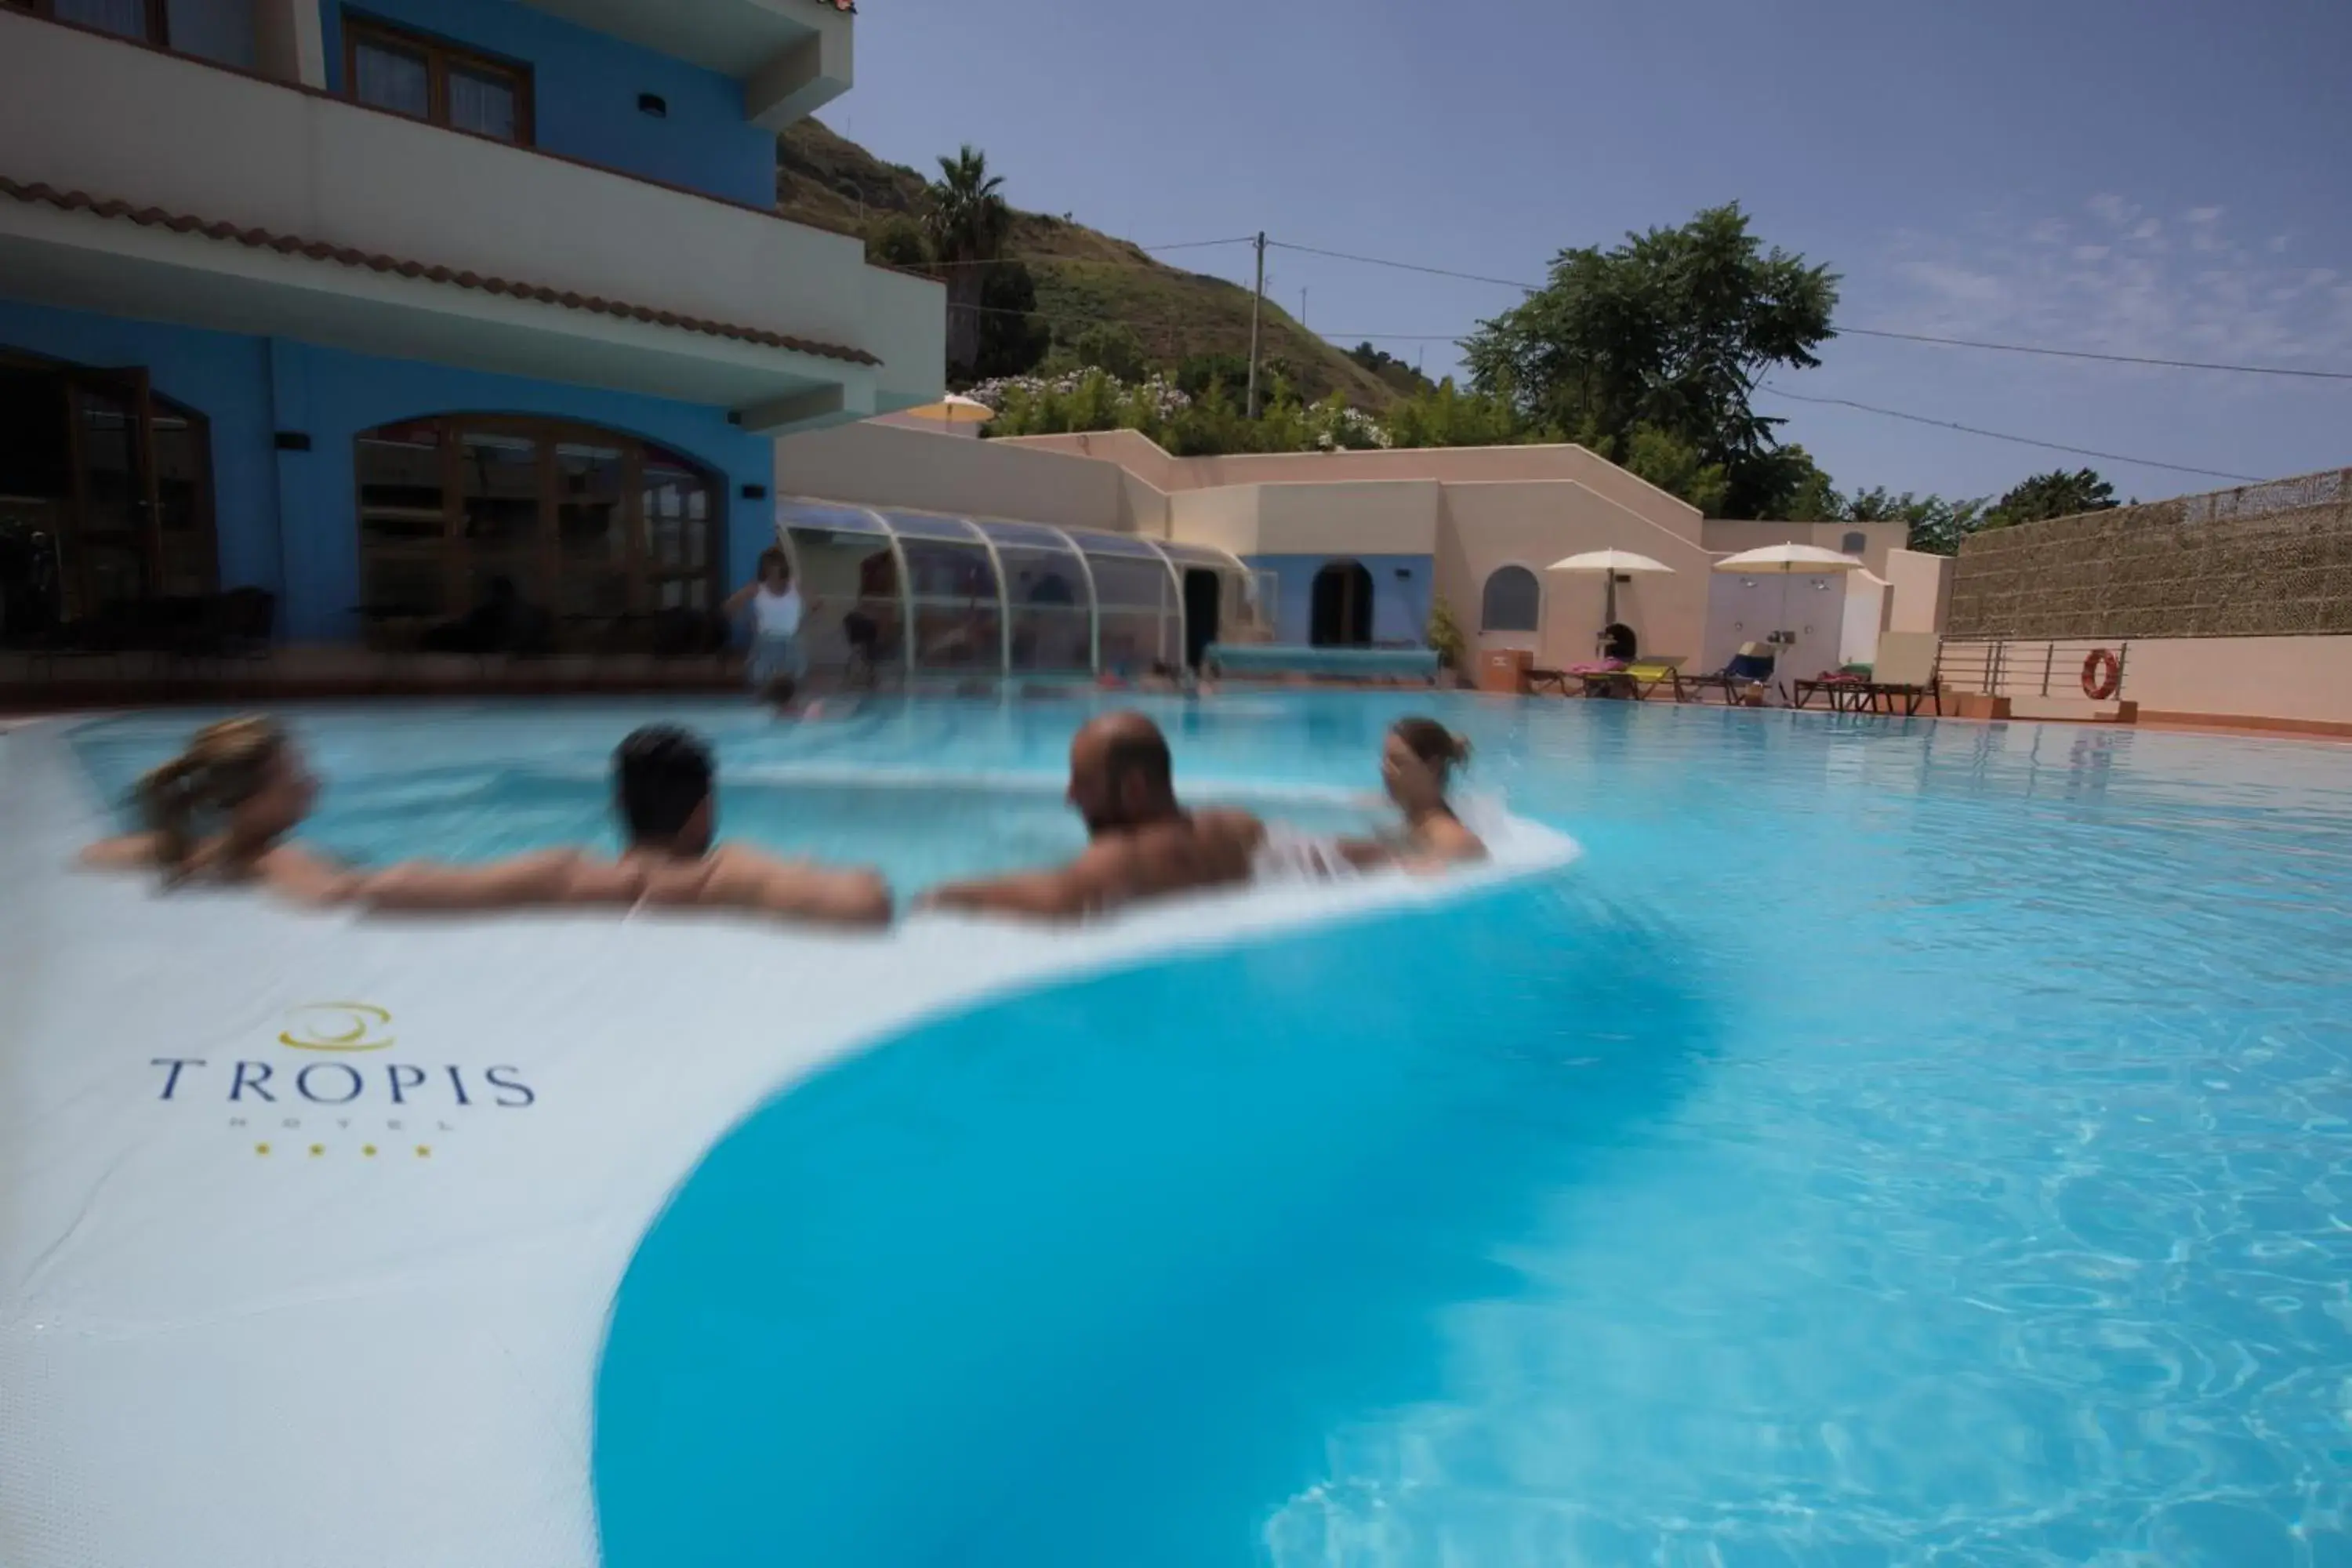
2028	666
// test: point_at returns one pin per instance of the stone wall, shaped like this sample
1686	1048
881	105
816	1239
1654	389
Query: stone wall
2269	559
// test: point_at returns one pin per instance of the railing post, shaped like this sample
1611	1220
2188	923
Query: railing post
2049	657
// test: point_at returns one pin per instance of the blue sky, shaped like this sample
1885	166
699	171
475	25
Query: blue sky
2159	177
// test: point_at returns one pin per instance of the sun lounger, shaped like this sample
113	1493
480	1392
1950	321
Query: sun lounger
1842	688
1905	671
1743	680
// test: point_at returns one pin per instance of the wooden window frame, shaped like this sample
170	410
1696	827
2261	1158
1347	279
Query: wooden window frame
439	57
159	20
541	584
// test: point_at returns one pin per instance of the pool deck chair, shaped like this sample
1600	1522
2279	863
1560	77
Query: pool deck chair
1748	673
1648	673
1905	671
1843	691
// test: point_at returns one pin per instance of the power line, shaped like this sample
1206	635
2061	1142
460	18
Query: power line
1854	332
2087	353
1404	266
2002	436
1077	260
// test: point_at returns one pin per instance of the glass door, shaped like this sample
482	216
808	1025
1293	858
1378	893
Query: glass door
113	549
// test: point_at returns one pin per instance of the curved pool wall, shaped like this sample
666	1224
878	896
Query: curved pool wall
1088	1274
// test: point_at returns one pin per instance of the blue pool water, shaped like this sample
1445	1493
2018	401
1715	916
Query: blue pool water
1892	1143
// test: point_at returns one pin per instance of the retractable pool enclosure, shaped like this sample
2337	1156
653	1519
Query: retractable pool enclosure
923	594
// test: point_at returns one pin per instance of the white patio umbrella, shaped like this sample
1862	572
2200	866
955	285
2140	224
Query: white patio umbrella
1786	560
955	408
1608	563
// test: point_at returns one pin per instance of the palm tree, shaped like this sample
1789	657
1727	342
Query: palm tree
969	222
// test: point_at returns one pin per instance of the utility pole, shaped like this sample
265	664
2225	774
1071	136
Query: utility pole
1256	300
1302	306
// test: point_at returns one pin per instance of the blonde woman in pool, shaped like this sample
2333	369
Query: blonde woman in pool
1417	763
225	811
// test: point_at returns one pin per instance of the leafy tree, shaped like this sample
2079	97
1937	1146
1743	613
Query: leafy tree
1113	346
967	224
1012	337
1936	526
899	241
2057	493
1445	634
1672	329
1448	416
1807	494
1195	374
1392	370
1675	466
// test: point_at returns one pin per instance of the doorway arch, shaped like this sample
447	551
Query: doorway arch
1342	609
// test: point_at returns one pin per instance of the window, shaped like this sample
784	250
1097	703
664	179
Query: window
429	80
1853	545
140	19
1513	599
589	525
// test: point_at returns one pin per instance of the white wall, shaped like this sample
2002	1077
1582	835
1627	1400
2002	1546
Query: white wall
1750	609
1921	589
84	112
1865	613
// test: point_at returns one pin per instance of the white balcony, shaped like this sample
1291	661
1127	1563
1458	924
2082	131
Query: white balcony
793	57
201	145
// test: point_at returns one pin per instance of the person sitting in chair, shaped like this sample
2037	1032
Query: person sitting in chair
1749	669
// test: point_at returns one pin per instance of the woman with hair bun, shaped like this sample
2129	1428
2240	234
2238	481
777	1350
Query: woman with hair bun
1417	763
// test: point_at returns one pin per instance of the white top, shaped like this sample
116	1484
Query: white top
777	615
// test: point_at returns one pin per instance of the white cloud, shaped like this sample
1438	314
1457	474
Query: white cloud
2114	283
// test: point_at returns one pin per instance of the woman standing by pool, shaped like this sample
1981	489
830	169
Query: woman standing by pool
776	663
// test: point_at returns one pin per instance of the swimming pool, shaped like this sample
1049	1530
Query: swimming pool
1892	1142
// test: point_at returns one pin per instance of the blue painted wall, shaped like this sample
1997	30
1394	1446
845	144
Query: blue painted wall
585	89
1399	604
288	519
224	377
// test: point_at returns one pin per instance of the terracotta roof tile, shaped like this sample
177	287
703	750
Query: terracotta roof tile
375	261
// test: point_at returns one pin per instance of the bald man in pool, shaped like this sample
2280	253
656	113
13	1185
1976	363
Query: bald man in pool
1145	844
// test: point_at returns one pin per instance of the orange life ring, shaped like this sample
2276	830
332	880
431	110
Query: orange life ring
2103	675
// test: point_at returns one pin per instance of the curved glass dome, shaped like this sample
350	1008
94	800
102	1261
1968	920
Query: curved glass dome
923	594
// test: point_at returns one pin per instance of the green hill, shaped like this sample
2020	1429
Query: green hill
1083	275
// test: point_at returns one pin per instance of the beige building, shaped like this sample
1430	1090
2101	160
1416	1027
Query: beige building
1356	548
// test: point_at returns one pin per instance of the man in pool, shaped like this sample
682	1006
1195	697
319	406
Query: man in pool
663	783
1145	844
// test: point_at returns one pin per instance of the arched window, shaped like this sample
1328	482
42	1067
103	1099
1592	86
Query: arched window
1512	602
1853	544
589	525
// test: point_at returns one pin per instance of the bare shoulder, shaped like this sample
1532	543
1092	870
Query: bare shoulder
306	876
1446	836
1231	827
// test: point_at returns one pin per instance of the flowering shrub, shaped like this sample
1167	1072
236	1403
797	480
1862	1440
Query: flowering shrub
1094	399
